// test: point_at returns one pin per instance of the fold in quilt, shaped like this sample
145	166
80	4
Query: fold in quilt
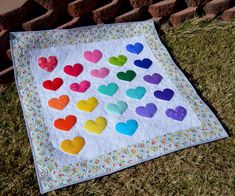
103	98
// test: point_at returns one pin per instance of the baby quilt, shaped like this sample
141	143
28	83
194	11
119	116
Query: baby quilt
103	98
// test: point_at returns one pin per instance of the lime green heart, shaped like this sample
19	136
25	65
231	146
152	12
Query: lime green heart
119	60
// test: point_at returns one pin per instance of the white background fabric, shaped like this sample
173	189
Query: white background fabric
109	140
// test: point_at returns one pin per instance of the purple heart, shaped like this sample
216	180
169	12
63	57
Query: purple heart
153	79
178	113
166	94
148	111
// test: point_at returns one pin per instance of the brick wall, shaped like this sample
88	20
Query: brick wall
29	15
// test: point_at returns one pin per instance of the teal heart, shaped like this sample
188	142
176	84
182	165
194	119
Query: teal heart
136	93
118	108
128	128
110	89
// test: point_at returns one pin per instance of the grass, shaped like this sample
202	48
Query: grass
205	51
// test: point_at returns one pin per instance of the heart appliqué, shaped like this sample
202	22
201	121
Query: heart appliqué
81	87
135	49
128	76
178	113
145	63
119	60
153	79
65	124
47	64
109	90
53	85
60	103
100	73
148	111
119	108
72	147
128	128
96	126
94	56
87	105
74	70
166	94
136	93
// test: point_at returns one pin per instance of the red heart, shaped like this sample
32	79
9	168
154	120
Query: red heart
52	85
74	70
47	64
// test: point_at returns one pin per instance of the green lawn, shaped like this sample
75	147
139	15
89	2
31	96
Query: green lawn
205	51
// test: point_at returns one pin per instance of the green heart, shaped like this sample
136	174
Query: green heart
119	61
128	76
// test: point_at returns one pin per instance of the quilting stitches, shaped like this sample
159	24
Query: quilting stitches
103	164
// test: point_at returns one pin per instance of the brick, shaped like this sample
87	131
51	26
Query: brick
165	8
44	21
209	16
79	7
4	45
4	37
217	6
141	3
194	3
133	15
158	20
181	16
228	14
107	12
8	53
14	13
71	24
53	4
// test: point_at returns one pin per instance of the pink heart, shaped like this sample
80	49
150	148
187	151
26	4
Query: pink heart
93	57
81	87
74	70
100	73
47	64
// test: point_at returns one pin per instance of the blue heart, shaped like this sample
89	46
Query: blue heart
128	128
145	63
136	48
136	93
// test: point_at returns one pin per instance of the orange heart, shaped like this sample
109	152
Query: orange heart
65	124
60	103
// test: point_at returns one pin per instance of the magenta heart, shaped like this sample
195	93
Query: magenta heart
148	111
93	57
100	73
81	87
74	70
153	79
178	113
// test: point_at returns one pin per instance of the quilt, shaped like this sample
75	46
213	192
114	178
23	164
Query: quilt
103	98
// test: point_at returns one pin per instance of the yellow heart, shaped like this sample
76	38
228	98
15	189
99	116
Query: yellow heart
72	147
87	105
96	126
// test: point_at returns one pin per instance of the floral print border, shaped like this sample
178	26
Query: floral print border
52	176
